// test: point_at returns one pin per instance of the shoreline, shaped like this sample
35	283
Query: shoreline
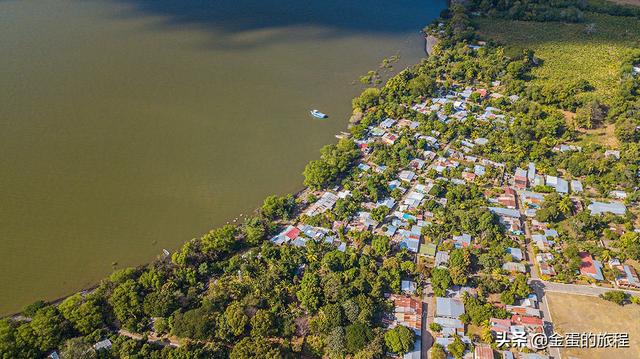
302	192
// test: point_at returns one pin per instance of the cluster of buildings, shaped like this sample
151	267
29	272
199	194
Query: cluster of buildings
408	311
457	162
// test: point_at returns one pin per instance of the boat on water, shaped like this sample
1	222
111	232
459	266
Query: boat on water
318	114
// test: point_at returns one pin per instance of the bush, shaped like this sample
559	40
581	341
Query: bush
435	327
617	296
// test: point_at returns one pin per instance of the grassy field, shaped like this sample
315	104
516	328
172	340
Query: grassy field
576	313
568	51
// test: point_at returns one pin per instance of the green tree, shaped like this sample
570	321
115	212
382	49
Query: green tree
368	98
486	335
160	303
276	207
457	348
77	348
235	319
220	240
590	116
357	336
336	342
254	348
437	352
310	293
379	213
49	328
85	314
440	281
351	310
630	244
399	339
459	263
197	323
254	230
381	245
262	324
127	305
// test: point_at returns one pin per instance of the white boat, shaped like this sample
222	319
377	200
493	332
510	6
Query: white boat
318	114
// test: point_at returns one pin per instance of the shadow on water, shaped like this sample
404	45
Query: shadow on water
230	18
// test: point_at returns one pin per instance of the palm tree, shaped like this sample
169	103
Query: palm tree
565	205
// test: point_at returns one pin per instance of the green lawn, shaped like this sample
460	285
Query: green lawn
568	52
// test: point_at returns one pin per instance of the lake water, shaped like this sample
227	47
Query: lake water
130	126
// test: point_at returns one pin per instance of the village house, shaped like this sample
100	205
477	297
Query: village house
406	175
517	325
408	286
461	241
604	207
407	312
483	351
428	250
325	203
442	259
508	198
626	275
516	254
520	180
542	242
590	267
532	199
513	267
450	326
103	344
449	308
558	184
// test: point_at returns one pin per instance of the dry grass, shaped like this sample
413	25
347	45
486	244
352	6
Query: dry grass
576	313
604	135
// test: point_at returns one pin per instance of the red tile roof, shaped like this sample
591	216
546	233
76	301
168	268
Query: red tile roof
526	320
483	351
293	233
587	267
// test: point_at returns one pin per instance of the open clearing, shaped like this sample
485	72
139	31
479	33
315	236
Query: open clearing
577	313
568	51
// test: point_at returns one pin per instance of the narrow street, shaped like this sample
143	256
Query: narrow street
536	284
427	316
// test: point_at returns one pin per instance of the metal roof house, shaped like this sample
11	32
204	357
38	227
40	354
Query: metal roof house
507	212
604	207
103	344
415	352
576	186
449	307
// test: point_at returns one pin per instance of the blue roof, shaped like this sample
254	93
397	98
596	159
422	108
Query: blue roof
507	212
612	207
410	244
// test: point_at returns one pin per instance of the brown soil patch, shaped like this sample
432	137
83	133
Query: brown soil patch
581	314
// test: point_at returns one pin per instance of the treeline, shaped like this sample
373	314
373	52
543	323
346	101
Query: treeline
550	10
231	294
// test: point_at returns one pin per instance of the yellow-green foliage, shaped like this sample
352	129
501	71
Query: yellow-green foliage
570	51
